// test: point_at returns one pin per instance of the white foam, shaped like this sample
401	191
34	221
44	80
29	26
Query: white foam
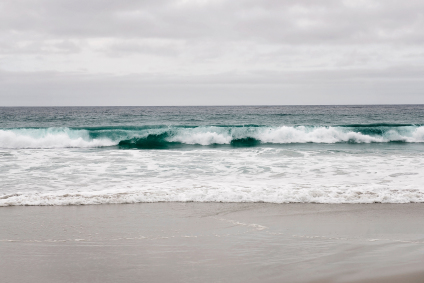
312	135
64	137
217	194
49	138
202	138
70	177
287	135
417	135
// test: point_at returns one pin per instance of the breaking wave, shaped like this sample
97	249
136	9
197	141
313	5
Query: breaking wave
162	137
49	138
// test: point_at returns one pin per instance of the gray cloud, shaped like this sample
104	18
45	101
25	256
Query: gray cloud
289	22
94	46
386	86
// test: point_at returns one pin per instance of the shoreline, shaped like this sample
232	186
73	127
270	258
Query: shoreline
213	242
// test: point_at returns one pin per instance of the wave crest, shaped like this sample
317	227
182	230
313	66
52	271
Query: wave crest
170	137
49	138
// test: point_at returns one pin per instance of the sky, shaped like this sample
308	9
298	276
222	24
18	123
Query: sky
202	52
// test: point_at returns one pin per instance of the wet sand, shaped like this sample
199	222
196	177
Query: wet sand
213	242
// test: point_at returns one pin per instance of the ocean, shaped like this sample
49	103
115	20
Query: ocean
271	154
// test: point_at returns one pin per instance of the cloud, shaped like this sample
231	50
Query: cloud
397	85
288	22
220	42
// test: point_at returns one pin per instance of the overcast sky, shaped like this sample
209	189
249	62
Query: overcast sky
220	52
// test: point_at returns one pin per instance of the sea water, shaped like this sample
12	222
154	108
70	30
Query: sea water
276	154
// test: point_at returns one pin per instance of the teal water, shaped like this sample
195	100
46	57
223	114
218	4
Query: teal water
176	127
324	154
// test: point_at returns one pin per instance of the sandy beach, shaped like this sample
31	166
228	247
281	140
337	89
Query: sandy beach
213	242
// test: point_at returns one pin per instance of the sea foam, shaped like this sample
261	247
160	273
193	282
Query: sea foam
274	175
49	138
163	137
217	194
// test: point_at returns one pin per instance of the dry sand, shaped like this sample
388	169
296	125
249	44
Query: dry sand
212	242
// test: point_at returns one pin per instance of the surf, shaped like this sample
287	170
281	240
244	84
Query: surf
168	137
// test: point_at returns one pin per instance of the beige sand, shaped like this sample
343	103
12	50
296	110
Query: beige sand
212	242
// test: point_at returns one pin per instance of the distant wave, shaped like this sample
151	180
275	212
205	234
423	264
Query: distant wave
163	137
